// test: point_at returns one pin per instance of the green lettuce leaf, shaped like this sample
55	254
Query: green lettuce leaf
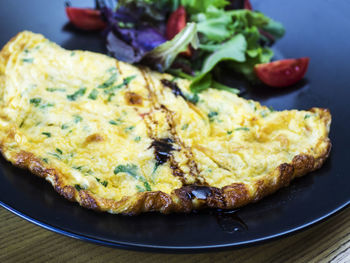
164	55
234	49
214	24
274	28
200	6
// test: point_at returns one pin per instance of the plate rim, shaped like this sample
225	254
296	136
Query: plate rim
176	249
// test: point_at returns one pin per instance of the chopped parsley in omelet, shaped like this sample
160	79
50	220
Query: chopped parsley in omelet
115	131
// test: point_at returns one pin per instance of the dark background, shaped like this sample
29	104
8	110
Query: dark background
317	29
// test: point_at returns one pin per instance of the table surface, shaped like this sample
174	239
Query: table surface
21	241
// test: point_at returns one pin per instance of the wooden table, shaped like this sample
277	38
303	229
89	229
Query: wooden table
23	241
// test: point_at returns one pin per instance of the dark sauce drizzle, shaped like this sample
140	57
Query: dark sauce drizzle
230	222
162	150
174	87
198	191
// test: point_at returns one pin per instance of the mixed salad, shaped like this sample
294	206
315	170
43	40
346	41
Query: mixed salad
193	39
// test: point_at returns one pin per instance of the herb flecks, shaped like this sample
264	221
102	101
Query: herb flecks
113	122
104	183
56	155
59	150
140	189
35	101
28	60
242	129
47	134
78	187
128	79
212	115
64	126
77	118
109	82
46	105
132	170
129	129
109	90
184	127
55	89
93	94
264	113
80	92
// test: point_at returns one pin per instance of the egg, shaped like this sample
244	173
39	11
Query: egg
124	139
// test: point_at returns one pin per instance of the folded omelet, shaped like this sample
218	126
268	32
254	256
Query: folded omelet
124	139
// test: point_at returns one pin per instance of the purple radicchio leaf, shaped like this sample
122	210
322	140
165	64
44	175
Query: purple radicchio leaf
125	40
121	50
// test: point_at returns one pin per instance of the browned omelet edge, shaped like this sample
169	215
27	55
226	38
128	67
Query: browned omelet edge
181	200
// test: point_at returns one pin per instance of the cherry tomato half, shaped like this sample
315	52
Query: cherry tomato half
177	22
85	18
247	5
282	73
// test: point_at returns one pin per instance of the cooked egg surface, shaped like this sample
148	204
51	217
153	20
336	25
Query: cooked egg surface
117	130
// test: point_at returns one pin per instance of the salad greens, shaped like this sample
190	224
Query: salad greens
219	33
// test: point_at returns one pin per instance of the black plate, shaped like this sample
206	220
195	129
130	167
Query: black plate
319	31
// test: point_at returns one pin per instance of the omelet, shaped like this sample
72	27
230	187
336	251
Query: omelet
124	139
